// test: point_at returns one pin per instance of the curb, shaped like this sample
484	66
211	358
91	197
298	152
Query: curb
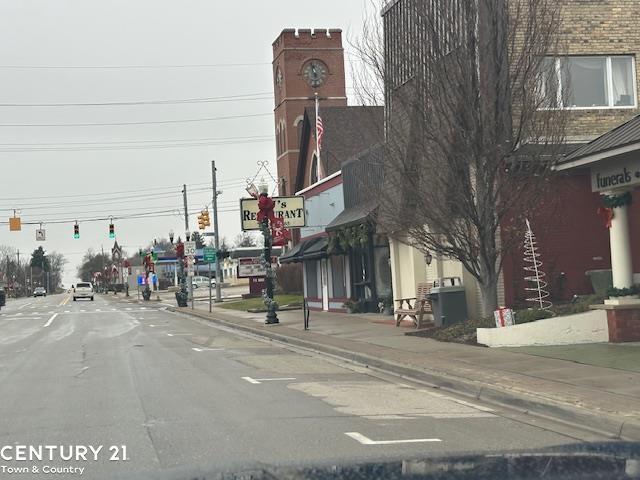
575	416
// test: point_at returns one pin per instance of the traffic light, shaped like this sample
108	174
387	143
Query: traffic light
205	217
112	231
76	231
201	223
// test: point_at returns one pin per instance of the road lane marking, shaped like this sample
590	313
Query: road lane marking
257	381
23	306
367	441
206	349
64	301
178	334
50	320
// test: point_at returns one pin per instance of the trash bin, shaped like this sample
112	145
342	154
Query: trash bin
448	301
601	281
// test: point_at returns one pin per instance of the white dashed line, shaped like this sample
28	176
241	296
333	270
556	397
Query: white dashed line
50	320
257	381
195	349
367	441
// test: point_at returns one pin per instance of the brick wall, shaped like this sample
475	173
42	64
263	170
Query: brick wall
600	27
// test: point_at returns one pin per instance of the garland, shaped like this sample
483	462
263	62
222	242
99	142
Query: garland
348	238
623	292
614	201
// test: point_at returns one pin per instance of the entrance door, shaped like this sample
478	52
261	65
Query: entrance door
324	273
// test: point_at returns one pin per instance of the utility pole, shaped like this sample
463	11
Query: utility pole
25	278
216	234
187	236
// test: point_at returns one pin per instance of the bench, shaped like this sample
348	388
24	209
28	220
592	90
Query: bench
421	306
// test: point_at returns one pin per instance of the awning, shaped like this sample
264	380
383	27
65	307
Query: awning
317	249
351	216
309	250
293	255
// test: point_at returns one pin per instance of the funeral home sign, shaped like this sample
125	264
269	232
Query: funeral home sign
622	174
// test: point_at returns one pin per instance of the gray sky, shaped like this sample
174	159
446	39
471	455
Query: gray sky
125	33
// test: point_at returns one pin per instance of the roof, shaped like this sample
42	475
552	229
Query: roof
347	131
622	136
351	216
244	252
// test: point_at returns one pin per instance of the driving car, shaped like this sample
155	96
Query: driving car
203	282
83	290
39	292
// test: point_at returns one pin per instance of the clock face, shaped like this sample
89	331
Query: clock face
315	73
278	77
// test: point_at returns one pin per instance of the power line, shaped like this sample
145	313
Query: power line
228	98
134	147
133	141
90	67
152	122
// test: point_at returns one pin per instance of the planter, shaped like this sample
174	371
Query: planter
182	299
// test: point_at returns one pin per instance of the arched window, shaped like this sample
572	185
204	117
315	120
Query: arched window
313	175
283	140
278	147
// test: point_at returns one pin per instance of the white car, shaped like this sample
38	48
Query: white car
203	282
83	290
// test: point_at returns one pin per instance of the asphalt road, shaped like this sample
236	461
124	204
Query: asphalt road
185	396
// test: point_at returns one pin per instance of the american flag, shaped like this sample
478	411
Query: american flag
319	131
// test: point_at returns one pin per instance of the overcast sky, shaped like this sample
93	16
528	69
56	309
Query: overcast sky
157	33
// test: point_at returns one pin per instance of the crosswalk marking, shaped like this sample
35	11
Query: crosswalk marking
367	441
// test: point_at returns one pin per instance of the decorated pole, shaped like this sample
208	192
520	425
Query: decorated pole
265	216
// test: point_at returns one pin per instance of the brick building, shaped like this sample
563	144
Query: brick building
305	63
600	43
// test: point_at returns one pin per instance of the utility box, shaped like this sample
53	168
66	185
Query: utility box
448	301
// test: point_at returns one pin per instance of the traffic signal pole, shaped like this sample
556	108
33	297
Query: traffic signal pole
216	235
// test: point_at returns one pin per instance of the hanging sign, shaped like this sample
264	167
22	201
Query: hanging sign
40	235
290	209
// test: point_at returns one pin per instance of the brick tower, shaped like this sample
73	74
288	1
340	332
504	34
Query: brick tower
304	63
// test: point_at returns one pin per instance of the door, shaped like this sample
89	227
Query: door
325	284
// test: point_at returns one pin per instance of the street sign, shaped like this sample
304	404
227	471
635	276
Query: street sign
208	234
290	209
190	249
40	235
209	254
190	272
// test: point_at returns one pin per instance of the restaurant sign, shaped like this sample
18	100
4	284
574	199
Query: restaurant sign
617	175
290	209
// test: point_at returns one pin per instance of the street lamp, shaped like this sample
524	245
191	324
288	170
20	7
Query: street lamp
266	205
171	236
428	258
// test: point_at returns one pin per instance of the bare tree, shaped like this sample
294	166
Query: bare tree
470	139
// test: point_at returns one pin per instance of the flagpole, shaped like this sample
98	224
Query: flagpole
318	169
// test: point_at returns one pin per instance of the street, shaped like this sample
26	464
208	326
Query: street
184	396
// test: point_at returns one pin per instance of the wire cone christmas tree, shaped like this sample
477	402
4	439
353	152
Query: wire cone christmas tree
538	296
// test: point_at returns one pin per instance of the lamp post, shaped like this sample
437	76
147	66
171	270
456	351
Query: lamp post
266	205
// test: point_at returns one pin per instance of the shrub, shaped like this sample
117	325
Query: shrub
289	278
579	304
623	292
526	316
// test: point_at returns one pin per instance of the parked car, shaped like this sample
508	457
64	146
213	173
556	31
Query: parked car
203	282
39	292
83	290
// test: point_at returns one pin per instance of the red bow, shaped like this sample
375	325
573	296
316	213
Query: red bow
607	215
266	206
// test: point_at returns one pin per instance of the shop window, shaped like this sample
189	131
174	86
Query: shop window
311	271
338	278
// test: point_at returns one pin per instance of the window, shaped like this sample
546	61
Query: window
338	277
311	270
589	82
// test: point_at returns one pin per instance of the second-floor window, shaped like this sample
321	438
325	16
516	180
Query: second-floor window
590	82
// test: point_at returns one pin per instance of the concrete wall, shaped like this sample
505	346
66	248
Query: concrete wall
588	327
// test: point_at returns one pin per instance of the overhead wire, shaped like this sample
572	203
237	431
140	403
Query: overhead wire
151	122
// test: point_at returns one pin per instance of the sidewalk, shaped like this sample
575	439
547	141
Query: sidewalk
600	398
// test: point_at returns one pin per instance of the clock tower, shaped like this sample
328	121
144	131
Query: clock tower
305	62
